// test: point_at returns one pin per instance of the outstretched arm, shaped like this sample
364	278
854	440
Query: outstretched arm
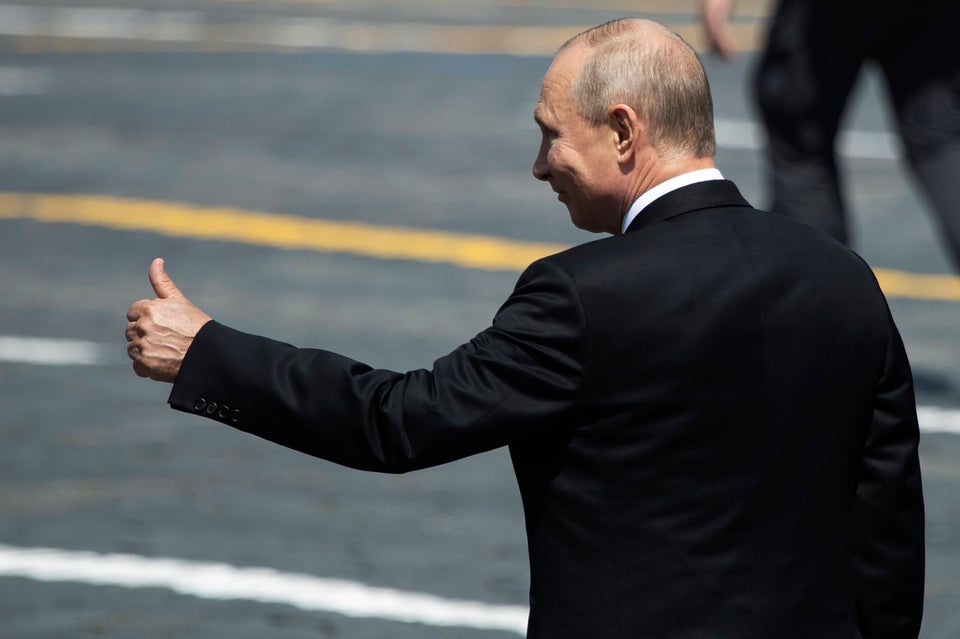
518	377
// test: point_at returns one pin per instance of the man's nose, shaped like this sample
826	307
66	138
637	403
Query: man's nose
540	170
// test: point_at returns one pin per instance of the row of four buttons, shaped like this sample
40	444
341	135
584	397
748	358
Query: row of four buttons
217	411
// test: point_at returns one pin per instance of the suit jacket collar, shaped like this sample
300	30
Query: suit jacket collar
701	195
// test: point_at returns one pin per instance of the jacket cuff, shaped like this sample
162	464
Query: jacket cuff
195	389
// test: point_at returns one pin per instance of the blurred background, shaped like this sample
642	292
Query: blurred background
347	174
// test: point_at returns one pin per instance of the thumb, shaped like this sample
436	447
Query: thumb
163	286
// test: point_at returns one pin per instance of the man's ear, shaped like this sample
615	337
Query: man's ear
627	129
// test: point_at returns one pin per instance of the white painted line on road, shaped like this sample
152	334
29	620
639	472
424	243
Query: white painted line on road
744	135
738	134
120	28
75	352
94	22
868	145
51	352
862	145
221	581
938	420
274	32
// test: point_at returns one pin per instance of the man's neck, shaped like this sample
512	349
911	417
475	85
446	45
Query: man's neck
675	181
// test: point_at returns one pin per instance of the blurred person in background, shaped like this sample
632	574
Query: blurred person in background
710	413
813	54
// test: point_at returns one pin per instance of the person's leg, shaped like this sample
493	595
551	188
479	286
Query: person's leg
801	87
922	65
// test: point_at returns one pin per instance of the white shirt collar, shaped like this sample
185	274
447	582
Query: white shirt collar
701	175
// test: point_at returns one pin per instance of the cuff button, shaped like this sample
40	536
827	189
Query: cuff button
199	405
211	408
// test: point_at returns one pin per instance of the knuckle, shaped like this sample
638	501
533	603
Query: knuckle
135	310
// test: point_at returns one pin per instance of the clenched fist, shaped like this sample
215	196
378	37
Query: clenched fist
161	330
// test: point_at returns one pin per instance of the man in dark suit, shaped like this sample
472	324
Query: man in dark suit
813	54
710	413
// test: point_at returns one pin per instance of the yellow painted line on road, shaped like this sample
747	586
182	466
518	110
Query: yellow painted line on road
281	231
485	252
919	286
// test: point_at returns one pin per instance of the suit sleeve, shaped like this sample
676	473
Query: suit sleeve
519	375
888	510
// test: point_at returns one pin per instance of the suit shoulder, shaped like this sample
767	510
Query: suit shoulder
571	259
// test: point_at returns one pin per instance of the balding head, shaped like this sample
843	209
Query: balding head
643	64
623	107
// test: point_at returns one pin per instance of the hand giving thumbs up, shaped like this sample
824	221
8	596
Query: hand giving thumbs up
160	331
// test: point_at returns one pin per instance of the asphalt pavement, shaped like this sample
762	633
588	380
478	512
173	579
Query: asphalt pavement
186	110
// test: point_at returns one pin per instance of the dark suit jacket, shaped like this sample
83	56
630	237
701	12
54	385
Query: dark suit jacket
711	418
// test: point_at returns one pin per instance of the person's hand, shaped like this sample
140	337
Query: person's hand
716	20
160	331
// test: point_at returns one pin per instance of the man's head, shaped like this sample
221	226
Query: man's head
623	107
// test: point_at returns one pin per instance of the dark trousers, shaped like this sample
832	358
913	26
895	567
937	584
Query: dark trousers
815	51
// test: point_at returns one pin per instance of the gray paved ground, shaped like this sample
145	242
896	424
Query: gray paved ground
92	458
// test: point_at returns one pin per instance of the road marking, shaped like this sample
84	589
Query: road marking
934	419
221	581
124	29
100	23
864	145
484	252
45	351
281	231
50	352
918	286
743	9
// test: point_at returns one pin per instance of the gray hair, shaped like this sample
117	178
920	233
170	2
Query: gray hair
659	77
